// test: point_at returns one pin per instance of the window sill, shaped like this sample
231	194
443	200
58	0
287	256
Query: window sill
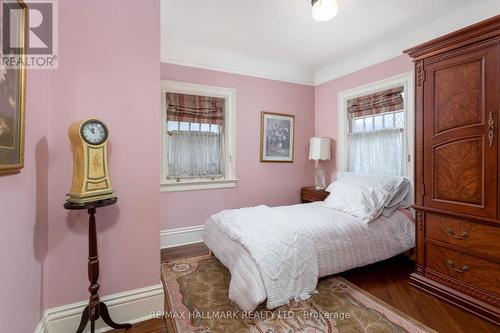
196	185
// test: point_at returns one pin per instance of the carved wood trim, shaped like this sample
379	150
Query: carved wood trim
420	238
480	41
488	298
478	32
461	51
420	73
420	220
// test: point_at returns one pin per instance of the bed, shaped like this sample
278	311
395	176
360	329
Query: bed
341	242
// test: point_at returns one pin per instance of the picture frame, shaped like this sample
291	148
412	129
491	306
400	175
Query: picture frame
13	102
277	137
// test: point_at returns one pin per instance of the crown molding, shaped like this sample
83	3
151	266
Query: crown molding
369	55
349	66
304	78
226	61
229	61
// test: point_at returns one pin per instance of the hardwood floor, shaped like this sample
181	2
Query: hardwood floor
149	326
185	251
387	280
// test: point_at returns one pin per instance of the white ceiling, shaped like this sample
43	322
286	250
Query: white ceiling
279	39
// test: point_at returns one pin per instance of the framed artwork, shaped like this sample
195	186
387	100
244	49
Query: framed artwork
276	137
12	99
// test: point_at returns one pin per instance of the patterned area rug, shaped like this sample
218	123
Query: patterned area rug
196	301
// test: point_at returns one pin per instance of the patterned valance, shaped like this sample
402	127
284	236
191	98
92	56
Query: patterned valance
380	102
195	109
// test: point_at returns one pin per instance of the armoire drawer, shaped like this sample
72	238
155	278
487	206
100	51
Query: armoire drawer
479	238
473	271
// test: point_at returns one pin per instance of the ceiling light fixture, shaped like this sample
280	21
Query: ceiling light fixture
324	10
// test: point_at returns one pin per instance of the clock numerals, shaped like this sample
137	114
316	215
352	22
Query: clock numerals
94	132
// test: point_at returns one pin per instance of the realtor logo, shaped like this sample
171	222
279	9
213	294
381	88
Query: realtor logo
29	33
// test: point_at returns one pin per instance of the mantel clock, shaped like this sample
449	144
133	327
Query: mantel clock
90	166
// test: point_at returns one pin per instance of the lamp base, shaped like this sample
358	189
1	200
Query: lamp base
320	179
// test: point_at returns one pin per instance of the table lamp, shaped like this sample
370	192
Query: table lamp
319	150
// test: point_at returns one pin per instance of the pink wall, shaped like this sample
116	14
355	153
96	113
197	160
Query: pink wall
24	216
103	74
259	183
43	248
108	67
326	96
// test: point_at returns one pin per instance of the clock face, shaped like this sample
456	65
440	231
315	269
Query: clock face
94	132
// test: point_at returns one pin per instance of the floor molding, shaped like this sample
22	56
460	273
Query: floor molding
130	306
181	236
42	325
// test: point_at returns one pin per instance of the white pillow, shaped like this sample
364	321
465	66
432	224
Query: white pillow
388	183
365	196
363	202
401	199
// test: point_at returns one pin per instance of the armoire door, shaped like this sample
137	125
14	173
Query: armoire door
460	131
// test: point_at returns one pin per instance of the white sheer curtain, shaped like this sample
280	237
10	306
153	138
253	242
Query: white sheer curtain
195	154
377	152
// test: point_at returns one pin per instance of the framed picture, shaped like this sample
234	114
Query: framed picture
12	97
276	137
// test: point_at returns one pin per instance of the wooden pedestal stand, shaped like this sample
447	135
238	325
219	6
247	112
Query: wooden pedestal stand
96	309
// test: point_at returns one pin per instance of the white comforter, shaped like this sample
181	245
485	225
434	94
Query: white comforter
283	252
341	243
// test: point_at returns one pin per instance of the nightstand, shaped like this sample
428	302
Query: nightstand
309	194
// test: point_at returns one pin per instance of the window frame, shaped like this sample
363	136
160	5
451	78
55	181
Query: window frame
392	113
407	81
190	184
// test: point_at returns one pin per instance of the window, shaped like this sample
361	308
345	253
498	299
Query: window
375	144
375	139
376	128
198	137
379	122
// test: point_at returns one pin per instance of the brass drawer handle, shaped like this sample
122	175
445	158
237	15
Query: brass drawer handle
464	269
491	129
464	235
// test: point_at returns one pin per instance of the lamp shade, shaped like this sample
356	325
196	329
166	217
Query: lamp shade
324	10
319	149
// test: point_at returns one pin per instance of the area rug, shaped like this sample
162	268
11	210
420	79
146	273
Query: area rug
196	301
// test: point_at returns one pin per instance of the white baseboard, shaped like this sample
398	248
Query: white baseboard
42	325
181	236
126	307
131	306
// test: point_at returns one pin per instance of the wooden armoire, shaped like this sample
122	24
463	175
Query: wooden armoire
457	165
